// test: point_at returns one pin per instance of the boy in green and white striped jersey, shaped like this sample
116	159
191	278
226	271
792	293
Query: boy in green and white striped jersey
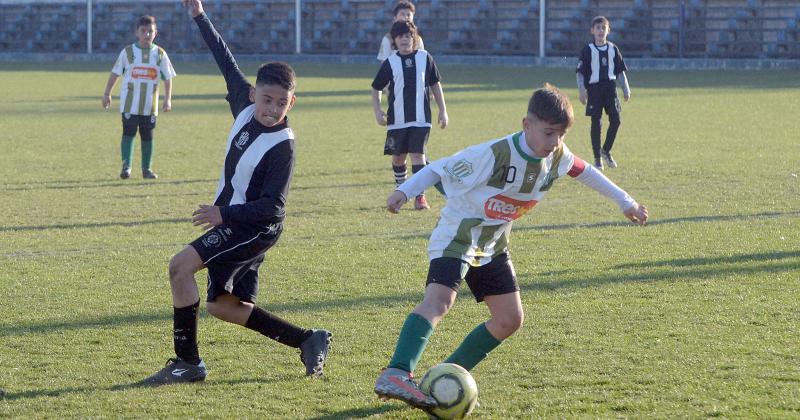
141	65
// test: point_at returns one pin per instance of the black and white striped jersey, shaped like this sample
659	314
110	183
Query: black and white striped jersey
409	78
600	63
259	160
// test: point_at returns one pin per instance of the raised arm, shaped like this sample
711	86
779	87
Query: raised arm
238	87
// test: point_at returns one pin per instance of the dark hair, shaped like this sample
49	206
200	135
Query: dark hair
550	105
404	5
145	20
401	28
276	73
600	19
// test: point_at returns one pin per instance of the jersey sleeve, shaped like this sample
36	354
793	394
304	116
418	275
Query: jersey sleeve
584	63
465	170
432	75
275	169
383	77
238	88
167	71
619	62
119	65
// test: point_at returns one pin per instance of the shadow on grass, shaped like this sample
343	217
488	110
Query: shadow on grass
360	413
11	396
104	183
96	225
622	223
770	262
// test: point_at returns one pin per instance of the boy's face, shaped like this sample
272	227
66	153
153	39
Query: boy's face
404	43
541	136
600	32
146	34
404	15
273	102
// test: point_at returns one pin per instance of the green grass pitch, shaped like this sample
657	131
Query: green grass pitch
695	315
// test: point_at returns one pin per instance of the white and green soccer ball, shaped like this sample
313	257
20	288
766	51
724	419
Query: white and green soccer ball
453	388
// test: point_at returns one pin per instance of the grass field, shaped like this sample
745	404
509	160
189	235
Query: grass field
695	315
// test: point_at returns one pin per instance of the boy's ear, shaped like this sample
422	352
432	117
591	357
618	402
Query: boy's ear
252	94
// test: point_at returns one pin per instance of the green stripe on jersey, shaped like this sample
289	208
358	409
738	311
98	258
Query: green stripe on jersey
145	55
487	233
461	243
129	53
502	161
143	88
532	170
128	99
154	102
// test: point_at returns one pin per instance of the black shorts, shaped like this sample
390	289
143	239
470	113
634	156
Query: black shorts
406	140
495	278
232	256
144	123
602	96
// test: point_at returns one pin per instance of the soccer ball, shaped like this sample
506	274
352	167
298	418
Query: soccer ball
453	388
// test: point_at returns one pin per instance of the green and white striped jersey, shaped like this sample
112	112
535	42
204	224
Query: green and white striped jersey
488	186
141	70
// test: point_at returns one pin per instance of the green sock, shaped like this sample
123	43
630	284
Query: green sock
475	347
411	343
126	146
147	153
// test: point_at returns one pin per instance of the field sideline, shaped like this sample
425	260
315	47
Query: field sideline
695	315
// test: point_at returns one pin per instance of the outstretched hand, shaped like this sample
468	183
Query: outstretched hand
637	214
395	201
207	216
195	7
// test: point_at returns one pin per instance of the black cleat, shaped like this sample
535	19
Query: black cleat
177	371
148	174
125	173
314	351
598	163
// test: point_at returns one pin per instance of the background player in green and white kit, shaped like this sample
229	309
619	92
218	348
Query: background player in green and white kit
488	186
141	65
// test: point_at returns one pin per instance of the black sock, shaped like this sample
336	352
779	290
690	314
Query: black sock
184	333
399	173
416	168
276	328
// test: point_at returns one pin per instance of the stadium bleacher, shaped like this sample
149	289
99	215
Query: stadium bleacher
643	28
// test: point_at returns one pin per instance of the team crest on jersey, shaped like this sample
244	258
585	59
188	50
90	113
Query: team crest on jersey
506	208
242	140
460	169
409	63
604	61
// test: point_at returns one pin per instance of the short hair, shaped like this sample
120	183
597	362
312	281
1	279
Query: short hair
404	5
145	20
276	73
601	19
401	28
550	105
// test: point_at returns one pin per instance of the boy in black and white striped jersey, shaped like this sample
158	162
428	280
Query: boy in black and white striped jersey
244	222
600	65
411	75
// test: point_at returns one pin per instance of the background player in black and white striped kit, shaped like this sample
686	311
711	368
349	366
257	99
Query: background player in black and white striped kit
411	76
245	220
600	65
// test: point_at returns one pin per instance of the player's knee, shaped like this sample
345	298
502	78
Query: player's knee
614	120
178	268
511	322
